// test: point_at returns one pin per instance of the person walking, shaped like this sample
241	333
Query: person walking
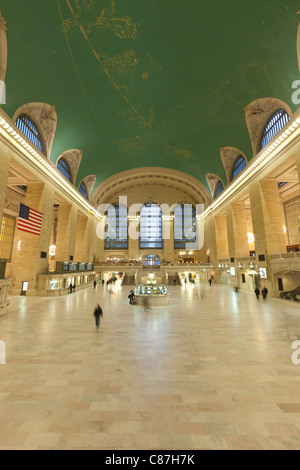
210	281
264	292
95	284
257	293
71	288
98	314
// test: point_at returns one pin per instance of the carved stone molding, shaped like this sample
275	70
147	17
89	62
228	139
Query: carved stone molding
73	158
2	22
257	115
3	48
229	156
45	118
89	182
212	181
298	45
153	177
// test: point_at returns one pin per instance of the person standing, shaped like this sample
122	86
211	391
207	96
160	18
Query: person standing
257	293
98	314
210	281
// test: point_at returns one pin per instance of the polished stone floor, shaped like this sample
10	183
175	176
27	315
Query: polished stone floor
210	371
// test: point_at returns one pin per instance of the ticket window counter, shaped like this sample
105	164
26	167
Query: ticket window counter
60	284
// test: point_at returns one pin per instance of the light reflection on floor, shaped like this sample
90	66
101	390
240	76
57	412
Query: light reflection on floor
212	370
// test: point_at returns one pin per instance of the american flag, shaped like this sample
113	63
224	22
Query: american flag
30	220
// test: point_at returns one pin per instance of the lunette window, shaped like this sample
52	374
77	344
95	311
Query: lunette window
274	126
30	130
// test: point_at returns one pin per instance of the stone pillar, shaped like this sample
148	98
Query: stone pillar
237	230
221	237
66	232
210	245
267	218
81	244
100	234
168	237
3	58
4	171
92	239
298	163
31	260
133	237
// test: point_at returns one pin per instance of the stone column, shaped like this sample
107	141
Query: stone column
3	58
4	171
31	259
267	218
298	163
221	237
237	230
81	244
168	237
92	239
133	237
100	234
66	232
210	245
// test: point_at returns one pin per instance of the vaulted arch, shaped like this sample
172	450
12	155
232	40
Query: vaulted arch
45	118
258	114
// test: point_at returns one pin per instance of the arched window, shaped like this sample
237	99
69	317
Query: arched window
116	236
184	225
274	126
82	190
63	167
239	165
151	226
220	188
29	129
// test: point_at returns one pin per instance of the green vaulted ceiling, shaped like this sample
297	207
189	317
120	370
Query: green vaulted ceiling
150	83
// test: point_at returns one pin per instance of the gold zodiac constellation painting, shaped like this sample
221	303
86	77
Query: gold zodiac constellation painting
143	115
152	66
123	28
119	70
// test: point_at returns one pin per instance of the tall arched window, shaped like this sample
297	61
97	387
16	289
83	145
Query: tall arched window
274	126
82	190
184	225
151	226
116	236
63	167
29	129
220	188
239	165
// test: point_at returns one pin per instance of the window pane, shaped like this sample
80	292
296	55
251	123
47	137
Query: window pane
62	166
238	167
274	126
184	225
151	227
7	231
116	228
82	190
28	128
220	188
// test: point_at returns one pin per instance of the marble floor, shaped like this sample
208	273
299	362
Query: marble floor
210	371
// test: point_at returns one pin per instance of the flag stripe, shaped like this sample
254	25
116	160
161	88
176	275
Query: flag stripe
28	231
34	224
35	228
30	220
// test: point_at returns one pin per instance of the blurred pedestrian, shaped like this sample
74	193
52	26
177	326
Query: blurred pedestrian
98	314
